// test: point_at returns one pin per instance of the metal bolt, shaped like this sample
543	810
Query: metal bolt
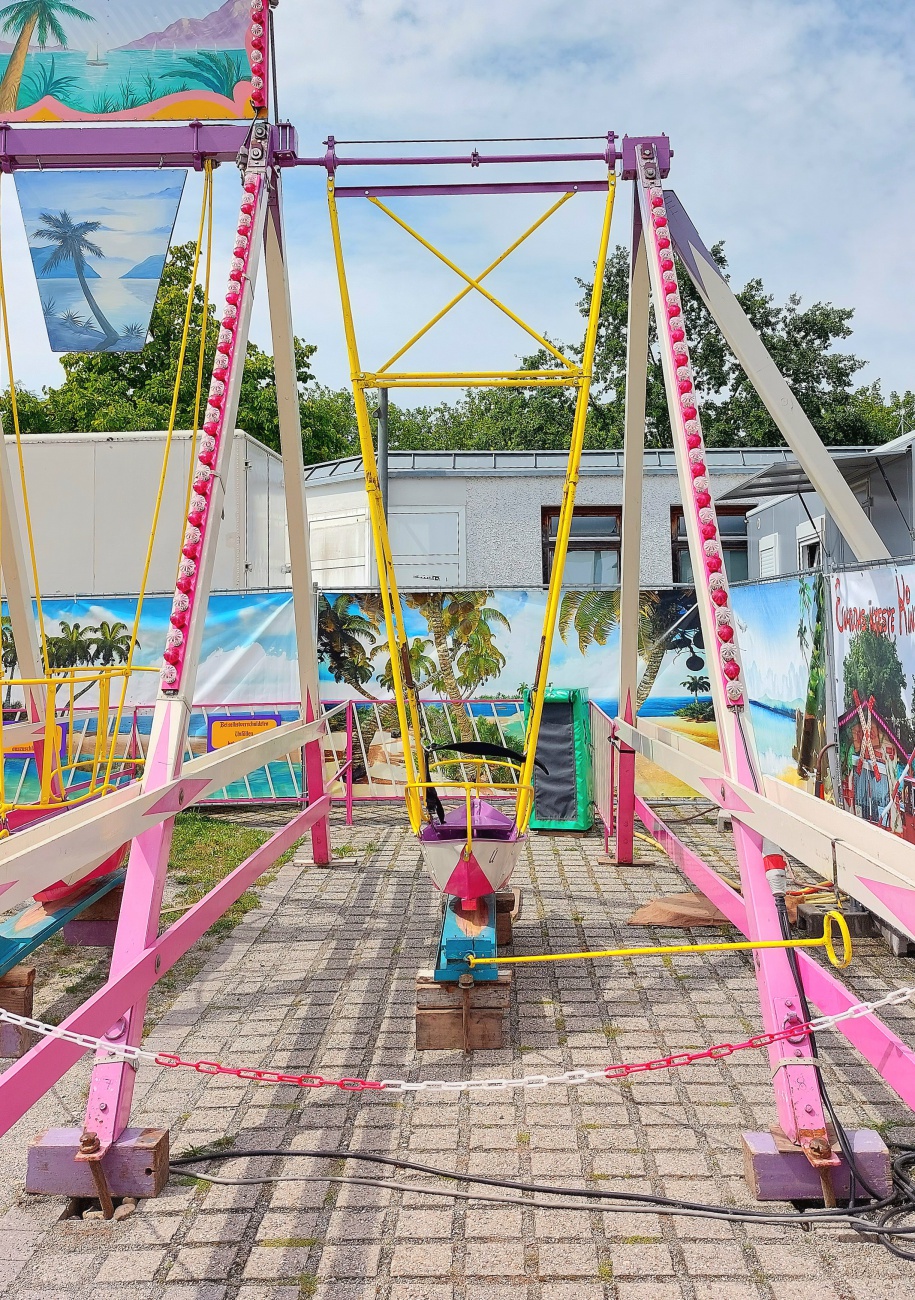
158	964
788	1002
88	1144
103	1106
117	1029
180	798
809	1110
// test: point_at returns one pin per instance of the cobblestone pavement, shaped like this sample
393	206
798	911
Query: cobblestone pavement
320	978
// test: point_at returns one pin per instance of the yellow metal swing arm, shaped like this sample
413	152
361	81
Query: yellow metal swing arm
564	527
567	374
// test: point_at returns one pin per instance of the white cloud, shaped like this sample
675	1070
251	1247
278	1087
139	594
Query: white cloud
791	122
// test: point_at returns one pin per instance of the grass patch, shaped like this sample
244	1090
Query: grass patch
605	1270
204	851
524	1139
290	1243
308	1285
218	1144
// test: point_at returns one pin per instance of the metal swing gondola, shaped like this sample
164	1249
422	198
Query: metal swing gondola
469	851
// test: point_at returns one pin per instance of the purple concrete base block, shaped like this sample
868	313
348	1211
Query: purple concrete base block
90	934
137	1164
774	1174
14	1041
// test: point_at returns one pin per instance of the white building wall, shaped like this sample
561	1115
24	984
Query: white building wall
481	531
91	500
509	512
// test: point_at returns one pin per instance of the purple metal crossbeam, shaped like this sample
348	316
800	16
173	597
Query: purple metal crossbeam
331	161
506	187
30	146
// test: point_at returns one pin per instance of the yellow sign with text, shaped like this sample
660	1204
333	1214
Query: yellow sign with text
28	746
228	731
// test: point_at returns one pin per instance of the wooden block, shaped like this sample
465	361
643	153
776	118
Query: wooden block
19	1001
443	1030
484	995
106	908
18	977
508	909
136	1165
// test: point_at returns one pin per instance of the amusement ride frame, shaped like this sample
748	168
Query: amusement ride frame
863	861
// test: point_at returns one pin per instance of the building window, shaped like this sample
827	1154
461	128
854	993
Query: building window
810	543
732	528
593	558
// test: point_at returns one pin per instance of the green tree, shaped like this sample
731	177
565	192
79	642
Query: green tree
114	392
72	648
800	340
423	667
8	655
872	668
23	17
593	614
461	625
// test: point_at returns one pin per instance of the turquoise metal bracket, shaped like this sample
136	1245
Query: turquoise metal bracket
21	934
455	945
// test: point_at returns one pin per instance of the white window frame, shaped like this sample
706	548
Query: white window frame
807	532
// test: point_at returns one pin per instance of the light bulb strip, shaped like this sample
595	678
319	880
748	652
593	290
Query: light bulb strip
687	429
256	44
228	357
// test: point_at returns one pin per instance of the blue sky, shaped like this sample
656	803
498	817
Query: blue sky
790	120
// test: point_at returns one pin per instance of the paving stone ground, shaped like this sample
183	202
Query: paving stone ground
320	978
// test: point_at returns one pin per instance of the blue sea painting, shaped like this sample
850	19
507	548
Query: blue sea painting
98	242
134	60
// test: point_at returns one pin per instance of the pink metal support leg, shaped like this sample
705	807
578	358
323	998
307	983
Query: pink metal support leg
24	1083
349	763
625	804
314	786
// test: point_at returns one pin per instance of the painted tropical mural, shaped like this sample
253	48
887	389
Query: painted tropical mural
131	60
98	242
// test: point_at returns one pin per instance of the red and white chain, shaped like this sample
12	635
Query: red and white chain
170	1060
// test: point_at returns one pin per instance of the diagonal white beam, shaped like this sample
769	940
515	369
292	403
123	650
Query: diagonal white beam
773	390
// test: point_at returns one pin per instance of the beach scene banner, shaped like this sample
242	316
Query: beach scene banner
129	60
98	241
473	653
782	627
873	616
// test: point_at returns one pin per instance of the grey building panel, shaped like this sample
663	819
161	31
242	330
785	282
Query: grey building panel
880	477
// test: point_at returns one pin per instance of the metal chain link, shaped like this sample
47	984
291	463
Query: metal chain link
719	1051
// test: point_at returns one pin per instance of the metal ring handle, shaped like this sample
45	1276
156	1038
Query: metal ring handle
837	919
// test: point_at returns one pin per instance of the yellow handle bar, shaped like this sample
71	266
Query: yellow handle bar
830	920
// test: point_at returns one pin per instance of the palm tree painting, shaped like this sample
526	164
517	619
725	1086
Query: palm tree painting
25	17
98	242
67	243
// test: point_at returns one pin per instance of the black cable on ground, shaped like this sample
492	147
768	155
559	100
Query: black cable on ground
662	1204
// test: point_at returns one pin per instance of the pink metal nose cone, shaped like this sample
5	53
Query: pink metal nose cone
467	880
